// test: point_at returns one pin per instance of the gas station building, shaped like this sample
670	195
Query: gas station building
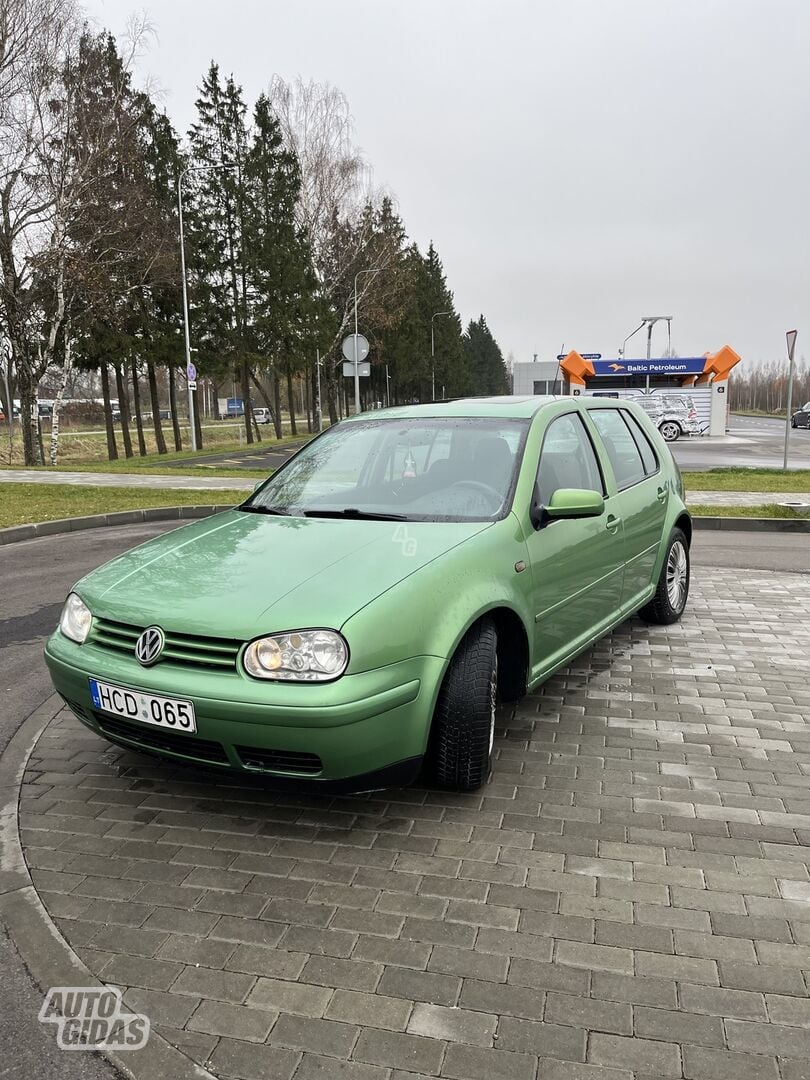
702	380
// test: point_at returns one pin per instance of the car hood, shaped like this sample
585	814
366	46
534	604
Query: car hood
238	575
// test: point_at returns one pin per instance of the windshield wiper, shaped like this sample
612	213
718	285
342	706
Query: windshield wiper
355	513
278	510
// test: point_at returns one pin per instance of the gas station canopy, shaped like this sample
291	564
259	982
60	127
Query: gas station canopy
687	370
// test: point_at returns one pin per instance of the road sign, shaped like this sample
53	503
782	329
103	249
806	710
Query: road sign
348	348
192	384
191	373
362	369
791	336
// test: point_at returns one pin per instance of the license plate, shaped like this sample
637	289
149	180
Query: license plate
146	708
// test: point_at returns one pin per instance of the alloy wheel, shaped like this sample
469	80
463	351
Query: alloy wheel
677	576
670	431
493	697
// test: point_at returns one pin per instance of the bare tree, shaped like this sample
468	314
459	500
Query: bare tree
35	38
345	218
68	150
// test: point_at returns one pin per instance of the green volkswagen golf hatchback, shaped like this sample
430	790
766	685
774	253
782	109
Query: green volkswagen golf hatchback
359	616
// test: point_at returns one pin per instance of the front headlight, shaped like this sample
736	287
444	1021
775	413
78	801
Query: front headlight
298	656
76	619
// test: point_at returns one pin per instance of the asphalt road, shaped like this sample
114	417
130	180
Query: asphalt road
751	441
260	456
34	578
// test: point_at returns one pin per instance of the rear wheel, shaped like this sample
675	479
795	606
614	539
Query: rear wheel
672	591
670	431
463	730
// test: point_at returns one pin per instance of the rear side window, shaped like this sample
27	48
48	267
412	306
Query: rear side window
567	460
624	454
648	456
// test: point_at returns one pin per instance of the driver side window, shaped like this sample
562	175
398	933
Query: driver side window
567	459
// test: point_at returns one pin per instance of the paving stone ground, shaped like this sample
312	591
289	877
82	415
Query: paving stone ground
628	898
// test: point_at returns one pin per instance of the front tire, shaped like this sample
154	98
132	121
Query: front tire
672	591
464	721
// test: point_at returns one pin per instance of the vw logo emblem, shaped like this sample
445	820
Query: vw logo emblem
149	646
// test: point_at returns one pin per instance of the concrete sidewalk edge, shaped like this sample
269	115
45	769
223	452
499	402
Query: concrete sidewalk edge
16	533
45	953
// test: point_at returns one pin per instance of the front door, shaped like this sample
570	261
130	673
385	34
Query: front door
577	564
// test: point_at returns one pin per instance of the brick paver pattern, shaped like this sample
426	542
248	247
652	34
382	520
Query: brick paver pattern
629	897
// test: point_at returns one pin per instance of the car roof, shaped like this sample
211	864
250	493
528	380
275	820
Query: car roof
507	406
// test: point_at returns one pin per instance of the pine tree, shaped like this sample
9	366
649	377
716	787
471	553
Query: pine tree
280	277
407	345
215	218
486	367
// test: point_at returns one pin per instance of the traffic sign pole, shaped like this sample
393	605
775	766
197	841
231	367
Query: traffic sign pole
790	337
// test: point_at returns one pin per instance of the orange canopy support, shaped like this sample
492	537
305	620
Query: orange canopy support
719	365
576	368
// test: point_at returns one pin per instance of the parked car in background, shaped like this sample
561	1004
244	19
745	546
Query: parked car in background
360	614
673	414
262	416
801	418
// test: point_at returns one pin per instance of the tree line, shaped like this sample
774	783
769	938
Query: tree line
281	222
765	388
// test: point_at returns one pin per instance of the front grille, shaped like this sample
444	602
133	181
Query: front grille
189	649
157	739
292	761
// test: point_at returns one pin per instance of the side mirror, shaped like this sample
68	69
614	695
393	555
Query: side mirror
568	503
575	503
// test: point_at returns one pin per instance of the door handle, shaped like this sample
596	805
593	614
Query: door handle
613	523
662	495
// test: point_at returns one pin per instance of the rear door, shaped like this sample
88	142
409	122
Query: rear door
641	496
577	564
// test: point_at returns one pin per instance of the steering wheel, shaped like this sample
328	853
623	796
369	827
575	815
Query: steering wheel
483	489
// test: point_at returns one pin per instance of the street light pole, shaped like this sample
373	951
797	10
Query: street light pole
7	380
651	320
318	415
180	178
624	343
433	354
372	270
791	346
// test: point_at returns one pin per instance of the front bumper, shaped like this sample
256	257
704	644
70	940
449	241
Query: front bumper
364	730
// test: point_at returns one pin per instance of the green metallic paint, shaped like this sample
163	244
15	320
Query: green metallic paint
402	594
575	503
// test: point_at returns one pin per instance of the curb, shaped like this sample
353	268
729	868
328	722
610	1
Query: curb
187	513
47	956
744	524
95	521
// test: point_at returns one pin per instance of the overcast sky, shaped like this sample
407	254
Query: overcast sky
578	163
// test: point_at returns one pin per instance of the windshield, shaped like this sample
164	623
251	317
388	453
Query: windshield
434	469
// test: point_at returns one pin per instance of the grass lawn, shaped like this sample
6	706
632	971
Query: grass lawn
771	511
88	453
797	480
774	415
21	504
158	464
